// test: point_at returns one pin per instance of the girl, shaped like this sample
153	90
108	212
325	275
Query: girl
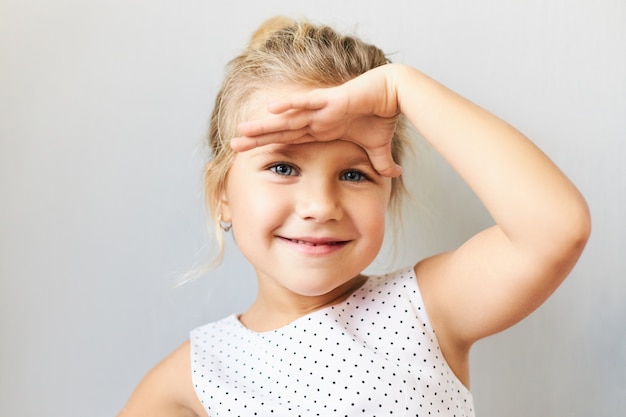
306	133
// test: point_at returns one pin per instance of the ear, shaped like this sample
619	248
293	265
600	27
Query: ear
223	208
216	196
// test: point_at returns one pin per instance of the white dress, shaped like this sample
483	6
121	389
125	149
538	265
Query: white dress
374	354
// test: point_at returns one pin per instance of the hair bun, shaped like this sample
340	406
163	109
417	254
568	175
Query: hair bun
269	27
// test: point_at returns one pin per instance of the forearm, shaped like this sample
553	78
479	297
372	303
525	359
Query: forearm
527	195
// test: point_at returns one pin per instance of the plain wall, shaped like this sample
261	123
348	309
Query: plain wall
103	109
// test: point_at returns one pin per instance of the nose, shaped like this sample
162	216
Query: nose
318	201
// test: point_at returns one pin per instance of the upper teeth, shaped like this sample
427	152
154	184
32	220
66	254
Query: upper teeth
304	242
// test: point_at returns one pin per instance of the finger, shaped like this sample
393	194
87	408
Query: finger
383	163
294	120
245	143
308	101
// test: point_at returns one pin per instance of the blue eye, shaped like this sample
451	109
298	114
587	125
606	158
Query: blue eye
355	176
283	169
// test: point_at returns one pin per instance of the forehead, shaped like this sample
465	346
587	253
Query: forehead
256	108
336	151
256	102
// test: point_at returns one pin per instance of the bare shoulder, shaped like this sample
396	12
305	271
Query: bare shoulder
429	274
489	284
166	390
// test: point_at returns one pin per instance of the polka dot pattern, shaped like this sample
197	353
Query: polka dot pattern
375	354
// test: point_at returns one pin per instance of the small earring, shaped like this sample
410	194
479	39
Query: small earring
223	225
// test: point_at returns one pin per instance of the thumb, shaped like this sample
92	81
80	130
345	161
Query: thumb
382	161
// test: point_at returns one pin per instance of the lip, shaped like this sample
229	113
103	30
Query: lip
314	245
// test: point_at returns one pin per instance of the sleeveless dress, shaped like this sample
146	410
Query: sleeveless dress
374	354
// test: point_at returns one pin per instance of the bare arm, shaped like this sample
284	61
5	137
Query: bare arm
503	273
166	391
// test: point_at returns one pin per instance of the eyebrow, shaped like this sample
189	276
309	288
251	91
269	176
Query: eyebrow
287	153
359	159
273	153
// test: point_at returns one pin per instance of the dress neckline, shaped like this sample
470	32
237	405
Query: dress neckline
235	317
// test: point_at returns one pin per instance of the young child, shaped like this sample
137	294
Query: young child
306	133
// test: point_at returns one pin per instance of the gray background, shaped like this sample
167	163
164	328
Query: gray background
103	108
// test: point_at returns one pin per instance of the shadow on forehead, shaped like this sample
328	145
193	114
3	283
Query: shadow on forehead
338	149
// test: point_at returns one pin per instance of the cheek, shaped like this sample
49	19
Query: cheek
371	217
381	213
257	208
378	221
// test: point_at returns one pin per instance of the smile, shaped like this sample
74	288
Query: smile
314	246
306	242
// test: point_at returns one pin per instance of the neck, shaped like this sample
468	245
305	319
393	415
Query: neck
277	307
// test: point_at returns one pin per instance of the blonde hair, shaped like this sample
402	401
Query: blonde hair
284	52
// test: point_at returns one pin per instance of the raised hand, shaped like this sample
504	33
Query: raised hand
364	110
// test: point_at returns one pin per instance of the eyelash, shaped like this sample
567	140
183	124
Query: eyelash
362	176
281	167
274	168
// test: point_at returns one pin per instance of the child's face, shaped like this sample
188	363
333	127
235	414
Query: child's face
309	217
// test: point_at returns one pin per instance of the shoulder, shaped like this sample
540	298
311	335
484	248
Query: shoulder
166	390
401	282
404	276
397	291
432	277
